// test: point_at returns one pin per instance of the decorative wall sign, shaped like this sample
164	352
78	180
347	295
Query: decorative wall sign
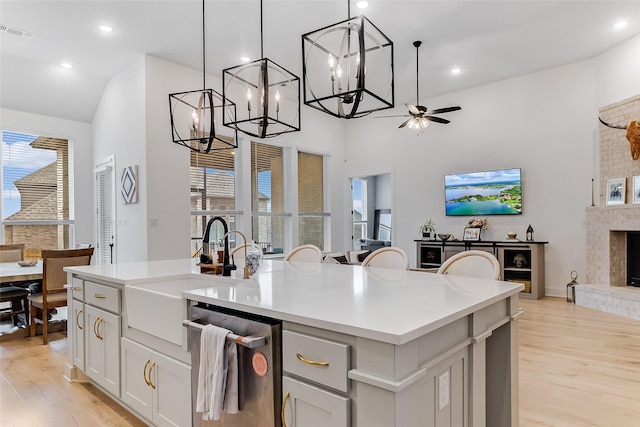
129	184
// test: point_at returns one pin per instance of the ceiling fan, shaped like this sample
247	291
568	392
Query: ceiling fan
419	115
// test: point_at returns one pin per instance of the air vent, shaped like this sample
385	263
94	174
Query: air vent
16	31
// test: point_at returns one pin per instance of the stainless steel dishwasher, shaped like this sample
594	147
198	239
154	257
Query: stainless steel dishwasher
259	365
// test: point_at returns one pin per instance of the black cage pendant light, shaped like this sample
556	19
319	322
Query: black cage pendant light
270	96
194	114
347	68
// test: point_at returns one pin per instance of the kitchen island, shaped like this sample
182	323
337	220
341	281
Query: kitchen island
406	348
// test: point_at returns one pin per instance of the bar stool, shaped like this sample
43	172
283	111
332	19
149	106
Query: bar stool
19	303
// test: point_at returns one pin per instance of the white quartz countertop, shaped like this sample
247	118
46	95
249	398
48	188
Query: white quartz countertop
393	306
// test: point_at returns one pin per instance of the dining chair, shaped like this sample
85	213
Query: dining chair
472	263
12	252
387	257
54	278
16	297
307	253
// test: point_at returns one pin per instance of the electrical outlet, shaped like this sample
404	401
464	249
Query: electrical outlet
443	391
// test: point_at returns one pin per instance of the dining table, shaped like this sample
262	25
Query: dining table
13	272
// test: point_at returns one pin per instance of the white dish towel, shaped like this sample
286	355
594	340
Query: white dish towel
216	358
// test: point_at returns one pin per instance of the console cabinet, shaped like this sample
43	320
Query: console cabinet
521	262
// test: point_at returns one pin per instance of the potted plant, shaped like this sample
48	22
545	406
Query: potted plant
428	230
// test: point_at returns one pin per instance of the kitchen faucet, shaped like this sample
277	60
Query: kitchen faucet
205	258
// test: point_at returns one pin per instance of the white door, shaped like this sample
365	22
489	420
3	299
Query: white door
105	213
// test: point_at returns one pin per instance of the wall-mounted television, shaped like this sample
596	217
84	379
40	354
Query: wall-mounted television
496	192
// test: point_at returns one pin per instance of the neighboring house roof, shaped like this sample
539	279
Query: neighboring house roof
37	194
220	184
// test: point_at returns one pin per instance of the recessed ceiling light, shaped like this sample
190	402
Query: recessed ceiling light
106	28
620	25
245	59
66	65
456	70
362	4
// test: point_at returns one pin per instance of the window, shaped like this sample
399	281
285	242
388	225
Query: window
36	191
268	201
213	193
313	220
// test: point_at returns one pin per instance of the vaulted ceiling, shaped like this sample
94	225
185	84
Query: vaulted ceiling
488	40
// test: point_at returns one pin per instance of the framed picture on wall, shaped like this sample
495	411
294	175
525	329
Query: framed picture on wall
129	184
636	189
471	234
616	189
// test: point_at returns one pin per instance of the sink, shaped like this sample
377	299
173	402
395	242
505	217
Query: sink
157	308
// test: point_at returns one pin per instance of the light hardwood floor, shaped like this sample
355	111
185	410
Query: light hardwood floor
578	367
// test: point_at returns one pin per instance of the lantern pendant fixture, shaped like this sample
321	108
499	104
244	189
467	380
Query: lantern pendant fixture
347	68
194	114
271	95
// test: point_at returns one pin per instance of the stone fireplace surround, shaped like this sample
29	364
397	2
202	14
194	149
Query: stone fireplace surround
607	226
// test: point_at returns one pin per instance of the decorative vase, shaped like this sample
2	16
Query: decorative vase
253	259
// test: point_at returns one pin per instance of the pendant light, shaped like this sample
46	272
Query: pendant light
194	114
347	68
270	96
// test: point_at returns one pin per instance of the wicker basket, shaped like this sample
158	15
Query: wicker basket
526	283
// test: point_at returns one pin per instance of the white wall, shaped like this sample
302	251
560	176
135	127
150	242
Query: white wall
618	73
119	129
545	123
80	135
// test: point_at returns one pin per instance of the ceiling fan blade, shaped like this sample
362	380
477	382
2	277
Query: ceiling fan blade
404	124
436	119
399	115
413	109
421	108
445	110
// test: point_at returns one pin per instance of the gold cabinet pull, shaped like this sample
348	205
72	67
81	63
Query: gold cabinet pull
99	296
96	328
151	384
77	319
310	362
76	288
144	373
284	406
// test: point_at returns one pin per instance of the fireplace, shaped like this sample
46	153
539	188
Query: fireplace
612	231
633	258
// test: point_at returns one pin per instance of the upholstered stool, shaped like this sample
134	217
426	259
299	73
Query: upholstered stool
19	303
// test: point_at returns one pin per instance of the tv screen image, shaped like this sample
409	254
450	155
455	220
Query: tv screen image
496	192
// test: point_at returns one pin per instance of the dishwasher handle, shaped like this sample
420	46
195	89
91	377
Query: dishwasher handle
251	341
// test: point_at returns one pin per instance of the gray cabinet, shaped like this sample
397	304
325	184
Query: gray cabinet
315	385
521	262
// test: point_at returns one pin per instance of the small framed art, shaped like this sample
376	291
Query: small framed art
471	234
129	184
636	189
616	189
